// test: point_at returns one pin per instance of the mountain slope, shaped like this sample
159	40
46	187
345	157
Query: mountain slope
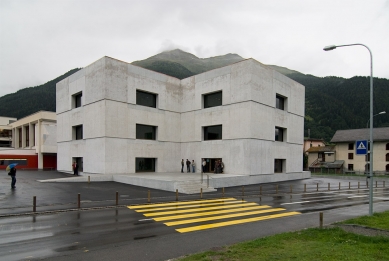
32	99
189	61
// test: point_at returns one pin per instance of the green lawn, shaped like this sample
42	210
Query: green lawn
310	244
378	220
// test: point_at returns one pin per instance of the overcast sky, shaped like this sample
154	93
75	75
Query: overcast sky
41	40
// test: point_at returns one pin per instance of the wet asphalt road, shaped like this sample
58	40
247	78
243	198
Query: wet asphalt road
119	233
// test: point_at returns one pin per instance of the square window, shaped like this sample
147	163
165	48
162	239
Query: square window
146	132
351	167
351	156
279	134
351	146
77	132
213	132
213	99
146	99
280	102
279	165
76	100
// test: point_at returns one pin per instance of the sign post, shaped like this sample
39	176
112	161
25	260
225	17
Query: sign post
361	147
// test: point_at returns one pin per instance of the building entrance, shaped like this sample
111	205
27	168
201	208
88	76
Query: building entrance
210	164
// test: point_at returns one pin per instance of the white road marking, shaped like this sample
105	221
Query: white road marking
295	203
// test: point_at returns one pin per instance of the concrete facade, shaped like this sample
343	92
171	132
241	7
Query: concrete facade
248	115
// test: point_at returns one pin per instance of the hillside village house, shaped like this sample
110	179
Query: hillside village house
311	142
34	144
345	149
117	118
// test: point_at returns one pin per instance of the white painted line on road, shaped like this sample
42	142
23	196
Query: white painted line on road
381	198
363	196
295	203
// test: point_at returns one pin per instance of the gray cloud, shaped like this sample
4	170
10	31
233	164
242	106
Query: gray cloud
43	39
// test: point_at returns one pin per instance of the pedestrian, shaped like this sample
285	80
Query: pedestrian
204	163
193	166
217	167
12	173
187	165
75	168
182	166
221	166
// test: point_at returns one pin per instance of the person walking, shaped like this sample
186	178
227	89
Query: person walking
204	163
193	166
187	165
12	173
182	166
75	168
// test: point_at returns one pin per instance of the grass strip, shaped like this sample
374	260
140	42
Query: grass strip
378	220
310	244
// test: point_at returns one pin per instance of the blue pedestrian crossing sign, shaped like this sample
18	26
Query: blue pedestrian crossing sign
361	147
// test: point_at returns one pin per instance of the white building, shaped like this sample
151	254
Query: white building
34	144
6	132
117	118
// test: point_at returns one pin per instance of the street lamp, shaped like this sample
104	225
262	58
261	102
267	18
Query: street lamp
332	47
382	112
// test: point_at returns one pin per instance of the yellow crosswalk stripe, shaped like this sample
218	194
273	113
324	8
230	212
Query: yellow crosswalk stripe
179	203
209	213
234	222
197	209
190	206
188	221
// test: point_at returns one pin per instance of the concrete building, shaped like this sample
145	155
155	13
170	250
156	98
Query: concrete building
117	118
6	132
345	149
34	144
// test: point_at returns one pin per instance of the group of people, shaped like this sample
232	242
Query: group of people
188	164
219	166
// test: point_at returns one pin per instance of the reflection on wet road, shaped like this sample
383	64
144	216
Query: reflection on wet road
37	236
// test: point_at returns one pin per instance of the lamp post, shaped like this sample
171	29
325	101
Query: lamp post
332	47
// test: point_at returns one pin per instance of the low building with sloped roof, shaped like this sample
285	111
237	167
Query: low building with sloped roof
346	149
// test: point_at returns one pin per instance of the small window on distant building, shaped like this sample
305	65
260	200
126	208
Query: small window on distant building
213	99
351	167
387	168
146	132
351	156
351	146
280	134
76	101
387	146
387	156
280	102
77	132
146	99
367	157
279	165
213	132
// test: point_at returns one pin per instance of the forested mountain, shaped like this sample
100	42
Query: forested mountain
32	99
189	64
331	103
